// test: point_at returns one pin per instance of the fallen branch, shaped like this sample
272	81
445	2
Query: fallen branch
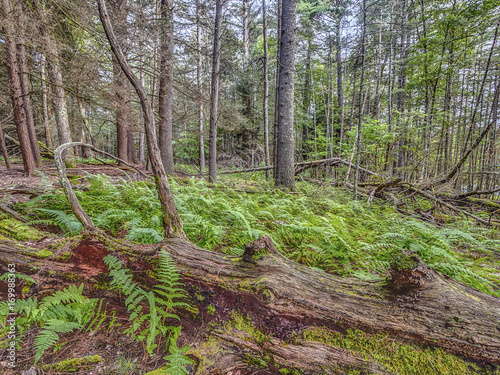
13	213
44	151
476	192
304	165
451	207
381	187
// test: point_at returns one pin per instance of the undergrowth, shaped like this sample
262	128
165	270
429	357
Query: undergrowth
319	227
69	310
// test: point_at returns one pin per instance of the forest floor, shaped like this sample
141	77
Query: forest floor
317	226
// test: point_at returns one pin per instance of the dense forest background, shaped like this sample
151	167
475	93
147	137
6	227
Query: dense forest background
416	79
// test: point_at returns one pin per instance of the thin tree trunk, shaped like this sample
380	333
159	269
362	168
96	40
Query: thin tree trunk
214	95
199	82
121	88
45	105
166	88
276	100
23	67
340	91
360	103
172	222
15	90
266	90
4	148
285	153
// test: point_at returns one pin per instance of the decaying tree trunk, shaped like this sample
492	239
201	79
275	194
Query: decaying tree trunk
417	304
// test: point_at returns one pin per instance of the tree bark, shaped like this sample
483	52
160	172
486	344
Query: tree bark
285	145
45	105
199	83
4	148
265	104
417	305
166	87
214	95
120	83
15	90
276	93
25	89
172	222
360	102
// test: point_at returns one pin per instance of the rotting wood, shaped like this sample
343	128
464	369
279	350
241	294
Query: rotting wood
381	187
441	312
14	214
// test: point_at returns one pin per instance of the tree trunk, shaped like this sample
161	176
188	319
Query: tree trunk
340	91
25	89
166	88
214	95
172	222
265	105
4	148
417	304
276	93
360	102
199	83
120	83
285	146
15	90
45	105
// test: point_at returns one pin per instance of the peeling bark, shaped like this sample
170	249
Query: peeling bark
439	312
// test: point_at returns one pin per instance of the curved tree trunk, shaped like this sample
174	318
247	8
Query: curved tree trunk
172	222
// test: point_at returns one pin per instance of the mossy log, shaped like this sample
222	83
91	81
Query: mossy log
432	309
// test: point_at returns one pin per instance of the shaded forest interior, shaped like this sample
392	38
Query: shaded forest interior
308	186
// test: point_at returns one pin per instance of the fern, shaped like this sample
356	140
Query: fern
62	312
144	235
66	222
48	336
177	359
165	296
18	276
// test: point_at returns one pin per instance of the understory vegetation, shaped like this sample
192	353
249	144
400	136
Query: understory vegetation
317	226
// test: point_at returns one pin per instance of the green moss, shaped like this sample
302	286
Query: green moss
64	257
158	371
74	364
102	285
72	277
42	254
245	324
15	230
402	261
211	309
398	358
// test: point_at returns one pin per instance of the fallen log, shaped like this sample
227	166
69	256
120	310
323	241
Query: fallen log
300	167
44	150
417	304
